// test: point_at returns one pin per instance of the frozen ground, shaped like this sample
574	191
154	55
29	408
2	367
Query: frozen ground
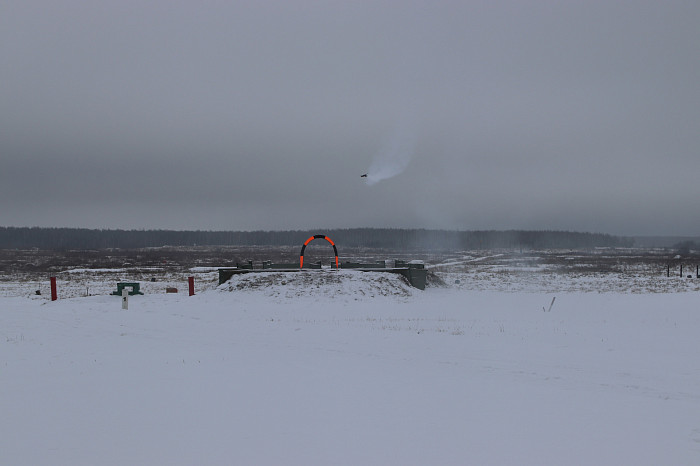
307	368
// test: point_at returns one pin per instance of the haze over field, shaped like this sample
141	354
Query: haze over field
263	115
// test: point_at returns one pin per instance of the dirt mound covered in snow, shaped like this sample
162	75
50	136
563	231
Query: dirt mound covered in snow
321	283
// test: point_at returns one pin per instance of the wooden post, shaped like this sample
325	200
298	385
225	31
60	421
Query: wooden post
190	280
54	294
125	298
668	270
681	270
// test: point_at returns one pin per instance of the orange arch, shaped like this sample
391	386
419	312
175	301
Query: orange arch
301	255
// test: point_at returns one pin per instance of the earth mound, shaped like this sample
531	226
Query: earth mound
321	283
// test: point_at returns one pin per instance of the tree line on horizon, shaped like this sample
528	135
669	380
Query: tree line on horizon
388	238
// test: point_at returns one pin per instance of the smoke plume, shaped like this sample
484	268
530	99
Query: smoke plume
394	156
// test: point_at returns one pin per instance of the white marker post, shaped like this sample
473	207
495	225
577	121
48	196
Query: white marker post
125	298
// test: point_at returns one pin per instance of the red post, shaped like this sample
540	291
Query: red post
54	295
191	282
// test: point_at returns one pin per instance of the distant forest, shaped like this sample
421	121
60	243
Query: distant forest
386	238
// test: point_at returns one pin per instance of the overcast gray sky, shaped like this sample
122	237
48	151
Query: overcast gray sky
573	115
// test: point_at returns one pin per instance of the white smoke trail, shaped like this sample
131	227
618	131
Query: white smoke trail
394	156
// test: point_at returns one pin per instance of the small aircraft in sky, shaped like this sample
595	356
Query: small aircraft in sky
364	176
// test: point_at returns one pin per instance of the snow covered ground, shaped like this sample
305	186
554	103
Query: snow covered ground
323	367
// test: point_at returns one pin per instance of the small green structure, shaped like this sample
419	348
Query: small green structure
135	288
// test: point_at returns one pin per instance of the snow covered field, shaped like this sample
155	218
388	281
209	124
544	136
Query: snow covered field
302	369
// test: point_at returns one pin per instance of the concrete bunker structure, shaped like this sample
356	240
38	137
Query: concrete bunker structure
415	272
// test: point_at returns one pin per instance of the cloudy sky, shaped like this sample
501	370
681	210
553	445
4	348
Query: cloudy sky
244	115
